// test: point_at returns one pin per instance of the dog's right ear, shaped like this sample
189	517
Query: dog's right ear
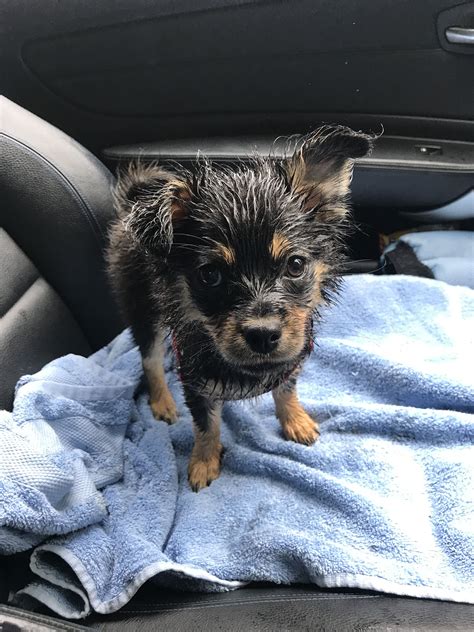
320	170
151	202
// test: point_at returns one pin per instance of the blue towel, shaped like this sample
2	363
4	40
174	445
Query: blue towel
449	254
384	501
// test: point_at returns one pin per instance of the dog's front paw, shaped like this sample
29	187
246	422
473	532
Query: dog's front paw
202	472
165	408
301	428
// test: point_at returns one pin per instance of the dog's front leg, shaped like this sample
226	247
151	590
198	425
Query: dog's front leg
296	424
161	400
205	463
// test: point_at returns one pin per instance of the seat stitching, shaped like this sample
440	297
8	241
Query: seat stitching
37	618
243	603
86	210
15	302
253	600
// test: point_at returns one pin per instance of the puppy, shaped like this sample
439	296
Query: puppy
235	263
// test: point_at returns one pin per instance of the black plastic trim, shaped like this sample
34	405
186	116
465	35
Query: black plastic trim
390	152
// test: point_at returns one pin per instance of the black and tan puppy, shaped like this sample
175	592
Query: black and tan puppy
235	263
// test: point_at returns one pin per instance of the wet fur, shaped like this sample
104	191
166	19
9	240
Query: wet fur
247	221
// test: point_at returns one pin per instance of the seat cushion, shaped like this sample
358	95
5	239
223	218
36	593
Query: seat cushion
35	324
294	608
263	608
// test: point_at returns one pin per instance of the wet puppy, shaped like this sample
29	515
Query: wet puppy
235	263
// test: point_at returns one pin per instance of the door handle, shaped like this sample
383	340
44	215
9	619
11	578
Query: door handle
460	35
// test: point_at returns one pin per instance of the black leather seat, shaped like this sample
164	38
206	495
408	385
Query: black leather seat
54	211
55	205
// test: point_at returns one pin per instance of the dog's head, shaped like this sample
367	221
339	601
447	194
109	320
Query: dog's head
250	252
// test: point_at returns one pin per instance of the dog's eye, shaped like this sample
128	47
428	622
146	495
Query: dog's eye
210	275
295	266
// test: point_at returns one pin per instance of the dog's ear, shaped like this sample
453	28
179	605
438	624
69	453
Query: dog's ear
151	201
320	170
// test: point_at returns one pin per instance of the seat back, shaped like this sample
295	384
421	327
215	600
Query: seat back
55	207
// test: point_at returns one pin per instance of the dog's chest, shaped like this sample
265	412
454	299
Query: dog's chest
234	388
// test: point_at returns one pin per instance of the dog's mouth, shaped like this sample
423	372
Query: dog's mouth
259	363
266	365
266	368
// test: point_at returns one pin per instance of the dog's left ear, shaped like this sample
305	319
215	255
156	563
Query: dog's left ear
320	170
152	201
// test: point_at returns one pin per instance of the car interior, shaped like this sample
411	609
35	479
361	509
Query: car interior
88	86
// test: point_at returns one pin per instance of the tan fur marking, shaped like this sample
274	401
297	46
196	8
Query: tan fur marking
317	185
278	246
319	271
226	334
261	321
161	400
181	190
293	332
181	195
336	183
296	424
227	253
164	408
205	464
296	319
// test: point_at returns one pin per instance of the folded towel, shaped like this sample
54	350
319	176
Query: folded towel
384	500
62	443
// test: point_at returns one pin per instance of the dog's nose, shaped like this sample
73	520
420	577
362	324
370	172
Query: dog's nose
262	339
